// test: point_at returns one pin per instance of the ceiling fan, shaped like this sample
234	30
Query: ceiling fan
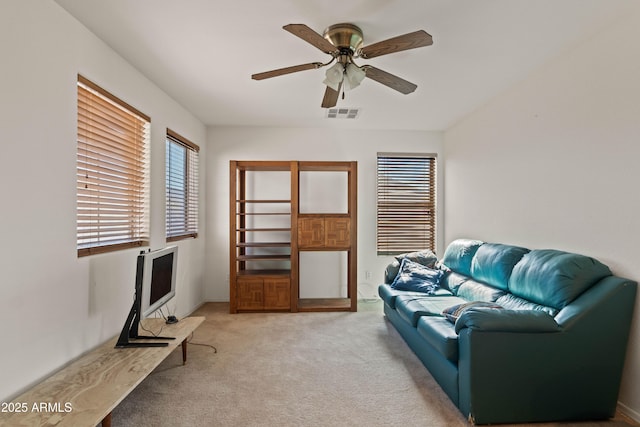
344	42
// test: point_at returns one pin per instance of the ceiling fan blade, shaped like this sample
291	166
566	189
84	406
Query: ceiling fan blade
286	70
331	97
310	36
413	40
387	79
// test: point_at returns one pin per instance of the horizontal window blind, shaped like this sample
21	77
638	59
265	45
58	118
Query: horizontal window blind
406	203
112	172
181	187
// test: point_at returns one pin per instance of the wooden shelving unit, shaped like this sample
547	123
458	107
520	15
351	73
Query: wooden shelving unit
267	236
260	236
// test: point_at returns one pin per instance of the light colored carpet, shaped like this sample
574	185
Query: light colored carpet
294	369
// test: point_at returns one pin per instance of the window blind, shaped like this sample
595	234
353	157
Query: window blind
181	187
406	203
112	172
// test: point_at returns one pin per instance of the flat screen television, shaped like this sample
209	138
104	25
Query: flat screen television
155	286
158	279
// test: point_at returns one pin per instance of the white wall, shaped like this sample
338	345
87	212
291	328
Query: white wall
55	306
303	144
553	163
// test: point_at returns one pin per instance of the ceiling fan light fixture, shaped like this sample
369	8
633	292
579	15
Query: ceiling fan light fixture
334	76
353	76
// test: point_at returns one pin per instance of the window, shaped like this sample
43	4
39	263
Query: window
406	203
181	187
112	172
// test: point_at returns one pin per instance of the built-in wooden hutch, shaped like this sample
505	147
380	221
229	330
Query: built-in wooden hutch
268	232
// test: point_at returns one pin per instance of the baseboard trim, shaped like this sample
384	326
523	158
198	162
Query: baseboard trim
196	308
625	411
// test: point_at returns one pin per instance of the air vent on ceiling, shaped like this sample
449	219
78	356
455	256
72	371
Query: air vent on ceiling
343	113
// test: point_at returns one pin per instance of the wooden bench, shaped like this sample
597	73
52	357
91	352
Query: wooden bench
86	391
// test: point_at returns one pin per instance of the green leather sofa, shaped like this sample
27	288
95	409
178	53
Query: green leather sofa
550	346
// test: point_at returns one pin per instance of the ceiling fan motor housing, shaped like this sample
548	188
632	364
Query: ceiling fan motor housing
344	36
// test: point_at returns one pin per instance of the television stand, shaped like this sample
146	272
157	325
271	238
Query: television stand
95	383
130	331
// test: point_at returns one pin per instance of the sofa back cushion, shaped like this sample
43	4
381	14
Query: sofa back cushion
554	278
459	254
493	263
452	281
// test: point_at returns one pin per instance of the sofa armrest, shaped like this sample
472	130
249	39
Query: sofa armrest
572	373
530	321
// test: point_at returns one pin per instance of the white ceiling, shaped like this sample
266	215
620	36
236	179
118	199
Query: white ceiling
203	52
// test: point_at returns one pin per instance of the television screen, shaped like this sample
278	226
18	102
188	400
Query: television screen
159	279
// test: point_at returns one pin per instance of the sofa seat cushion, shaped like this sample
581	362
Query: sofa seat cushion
453	313
411	308
441	335
513	302
389	295
476	291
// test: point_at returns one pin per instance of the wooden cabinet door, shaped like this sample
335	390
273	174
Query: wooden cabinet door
311	232
250	294
337	232
324	233
277	293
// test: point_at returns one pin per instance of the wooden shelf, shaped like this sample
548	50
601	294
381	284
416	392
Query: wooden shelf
284	257
264	201
263	229
262	165
263	213
264	245
324	304
273	272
